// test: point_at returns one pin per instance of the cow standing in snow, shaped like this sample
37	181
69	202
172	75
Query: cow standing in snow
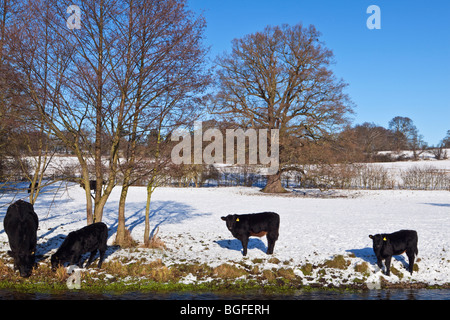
243	226
21	224
387	245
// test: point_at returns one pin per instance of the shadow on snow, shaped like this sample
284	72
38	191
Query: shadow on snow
161	213
47	208
368	255
236	245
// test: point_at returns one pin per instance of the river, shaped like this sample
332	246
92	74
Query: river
392	294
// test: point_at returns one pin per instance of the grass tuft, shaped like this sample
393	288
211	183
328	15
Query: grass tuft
338	262
229	271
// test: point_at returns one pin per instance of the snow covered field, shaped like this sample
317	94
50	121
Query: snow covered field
312	230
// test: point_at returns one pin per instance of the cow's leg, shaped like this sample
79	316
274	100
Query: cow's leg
76	259
102	257
244	241
411	258
380	263
387	262
271	238
91	258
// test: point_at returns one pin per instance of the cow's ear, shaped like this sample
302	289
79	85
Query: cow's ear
370	236
223	218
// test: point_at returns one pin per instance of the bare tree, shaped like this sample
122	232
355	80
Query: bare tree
280	78
44	59
158	73
446	141
7	91
164	88
407	136
134	66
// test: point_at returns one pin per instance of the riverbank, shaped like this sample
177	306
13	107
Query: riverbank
118	277
313	294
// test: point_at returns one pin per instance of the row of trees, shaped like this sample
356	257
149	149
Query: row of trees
112	92
368	139
134	68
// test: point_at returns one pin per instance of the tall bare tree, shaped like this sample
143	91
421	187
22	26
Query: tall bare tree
44	58
165	87
134	66
281	78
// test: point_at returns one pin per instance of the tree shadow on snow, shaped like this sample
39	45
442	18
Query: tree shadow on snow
438	204
161	213
236	245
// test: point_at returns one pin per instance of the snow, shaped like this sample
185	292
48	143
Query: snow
312	229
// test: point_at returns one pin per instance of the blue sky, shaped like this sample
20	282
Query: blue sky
402	69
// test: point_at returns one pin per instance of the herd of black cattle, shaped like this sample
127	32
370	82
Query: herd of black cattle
21	224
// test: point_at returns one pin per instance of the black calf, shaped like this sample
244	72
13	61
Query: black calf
243	226
87	239
387	245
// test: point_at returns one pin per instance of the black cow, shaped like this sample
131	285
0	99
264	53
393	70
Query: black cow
387	245
21	224
243	226
92	185
36	184
87	239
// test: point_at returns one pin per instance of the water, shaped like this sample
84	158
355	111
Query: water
394	294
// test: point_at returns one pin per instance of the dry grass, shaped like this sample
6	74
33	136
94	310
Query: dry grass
155	270
155	242
286	273
397	272
61	274
362	268
229	271
268	275
338	262
128	242
4	269
307	269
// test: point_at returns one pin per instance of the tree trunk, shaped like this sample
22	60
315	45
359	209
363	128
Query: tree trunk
150	190
151	186
120	236
98	208
273	184
85	181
